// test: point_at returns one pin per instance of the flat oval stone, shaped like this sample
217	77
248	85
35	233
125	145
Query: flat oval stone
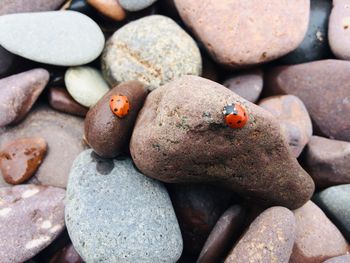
317	238
61	38
6	61
340	259
339	29
86	85
180	137
324	87
135	5
328	161
25	6
105	132
315	44
59	130
225	232
116	214
109	8
61	100
31	217
19	92
294	119
20	159
269	238
335	202
247	84
243	33
153	50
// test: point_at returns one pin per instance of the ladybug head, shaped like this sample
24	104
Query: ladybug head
235	116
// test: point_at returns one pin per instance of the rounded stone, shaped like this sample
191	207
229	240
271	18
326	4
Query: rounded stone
153	50
25	6
317	238
59	38
136	5
116	214
86	85
328	161
339	259
109	8
31	217
63	134
339	29
294	119
240	34
315	44
268	239
180	137
107	134
247	84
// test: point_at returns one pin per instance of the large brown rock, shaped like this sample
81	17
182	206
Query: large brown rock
269	239
105	132
63	134
317	238
242	33
180	136
328	161
31	217
294	119
324	87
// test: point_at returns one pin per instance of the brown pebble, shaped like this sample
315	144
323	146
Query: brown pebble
20	159
109	8
61	100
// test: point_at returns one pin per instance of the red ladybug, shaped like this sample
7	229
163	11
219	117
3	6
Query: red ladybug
235	116
119	105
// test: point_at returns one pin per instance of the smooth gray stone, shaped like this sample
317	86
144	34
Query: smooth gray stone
135	5
25	6
116	214
63	38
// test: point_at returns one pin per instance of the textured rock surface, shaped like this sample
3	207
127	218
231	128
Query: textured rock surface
31	217
269	238
197	208
335	202
108	134
180	136
20	159
227	229
239	34
247	84
61	38
329	78
86	85
61	100
59	130
315	44
116	214
136	5
294	119
339	29
25	6
317	238
19	92
328	161
153	50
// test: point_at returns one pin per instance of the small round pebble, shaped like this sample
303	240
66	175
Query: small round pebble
135	5
86	85
109	8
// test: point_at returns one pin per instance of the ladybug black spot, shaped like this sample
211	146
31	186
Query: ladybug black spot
115	109
112	99
230	122
127	101
239	121
244	114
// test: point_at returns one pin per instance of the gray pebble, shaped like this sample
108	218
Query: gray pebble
135	5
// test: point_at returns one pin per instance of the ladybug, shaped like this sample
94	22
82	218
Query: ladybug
119	105
235	116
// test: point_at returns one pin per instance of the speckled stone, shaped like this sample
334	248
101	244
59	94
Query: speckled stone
153	50
339	29
19	92
269	238
31	217
61	38
317	238
86	85
136	5
328	161
60	131
25	6
335	202
340	259
116	214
